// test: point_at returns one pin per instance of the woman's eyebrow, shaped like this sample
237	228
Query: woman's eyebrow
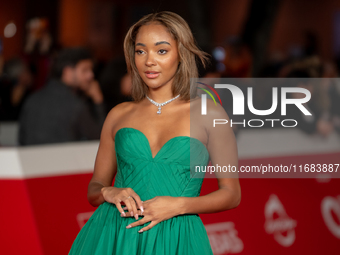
161	42
157	43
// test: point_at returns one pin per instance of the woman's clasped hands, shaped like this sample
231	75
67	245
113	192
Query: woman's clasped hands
130	198
154	210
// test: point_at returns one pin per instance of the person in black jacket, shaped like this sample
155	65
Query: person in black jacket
69	108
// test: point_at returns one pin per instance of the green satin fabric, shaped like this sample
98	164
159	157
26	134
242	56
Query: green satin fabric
169	173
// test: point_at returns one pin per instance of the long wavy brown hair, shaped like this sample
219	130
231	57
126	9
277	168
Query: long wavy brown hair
189	54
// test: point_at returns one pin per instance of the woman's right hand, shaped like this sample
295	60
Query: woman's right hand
116	195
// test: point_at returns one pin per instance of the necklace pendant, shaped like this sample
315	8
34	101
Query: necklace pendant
161	104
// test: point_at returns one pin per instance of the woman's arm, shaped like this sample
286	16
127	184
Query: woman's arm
222	149
105	166
225	198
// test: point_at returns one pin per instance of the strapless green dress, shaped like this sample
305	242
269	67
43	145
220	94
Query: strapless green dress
170	173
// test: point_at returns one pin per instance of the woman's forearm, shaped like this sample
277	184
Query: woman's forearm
217	201
94	194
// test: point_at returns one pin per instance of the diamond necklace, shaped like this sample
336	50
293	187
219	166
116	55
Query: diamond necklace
161	104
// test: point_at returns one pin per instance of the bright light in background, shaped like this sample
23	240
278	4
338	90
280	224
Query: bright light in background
219	53
10	30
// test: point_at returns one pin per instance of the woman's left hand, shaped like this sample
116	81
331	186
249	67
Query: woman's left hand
156	210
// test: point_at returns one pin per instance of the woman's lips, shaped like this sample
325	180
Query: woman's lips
152	75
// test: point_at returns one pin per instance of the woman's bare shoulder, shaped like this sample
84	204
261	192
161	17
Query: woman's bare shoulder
119	111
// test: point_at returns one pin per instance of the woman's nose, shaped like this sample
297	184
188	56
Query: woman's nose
150	59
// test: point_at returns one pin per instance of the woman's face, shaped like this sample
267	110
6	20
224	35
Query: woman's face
156	55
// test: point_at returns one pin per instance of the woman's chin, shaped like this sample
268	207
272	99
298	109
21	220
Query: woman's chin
153	85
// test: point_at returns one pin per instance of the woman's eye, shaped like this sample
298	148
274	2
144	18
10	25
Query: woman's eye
163	51
138	52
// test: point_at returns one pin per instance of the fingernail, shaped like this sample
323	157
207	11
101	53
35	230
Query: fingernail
122	214
140	231
129	226
142	209
131	213
136	216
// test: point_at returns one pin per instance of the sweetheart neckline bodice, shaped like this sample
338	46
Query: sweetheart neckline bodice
164	145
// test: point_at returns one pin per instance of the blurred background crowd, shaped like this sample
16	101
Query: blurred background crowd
78	44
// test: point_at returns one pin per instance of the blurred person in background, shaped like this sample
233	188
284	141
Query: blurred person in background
38	49
15	86
238	59
38	36
115	83
331	84
319	104
69	108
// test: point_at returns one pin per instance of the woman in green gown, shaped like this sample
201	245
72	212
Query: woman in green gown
147	146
